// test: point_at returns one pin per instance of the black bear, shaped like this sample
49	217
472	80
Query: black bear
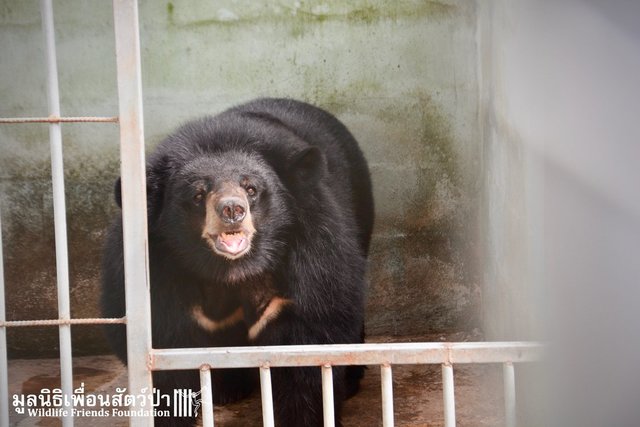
260	220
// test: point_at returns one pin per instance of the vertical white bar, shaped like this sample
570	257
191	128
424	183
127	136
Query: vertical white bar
509	379
327	396
207	396
449	396
59	208
134	200
267	397
4	367
386	381
185	406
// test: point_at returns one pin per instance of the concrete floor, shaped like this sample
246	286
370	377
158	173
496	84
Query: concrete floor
417	393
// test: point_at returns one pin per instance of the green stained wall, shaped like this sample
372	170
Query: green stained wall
401	75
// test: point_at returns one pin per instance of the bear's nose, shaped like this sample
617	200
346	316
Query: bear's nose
231	209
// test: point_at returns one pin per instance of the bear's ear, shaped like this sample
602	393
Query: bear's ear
156	182
306	168
155	190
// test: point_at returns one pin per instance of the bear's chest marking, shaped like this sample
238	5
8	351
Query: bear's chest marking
210	325
270	313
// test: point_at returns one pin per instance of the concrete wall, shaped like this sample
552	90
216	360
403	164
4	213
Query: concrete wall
512	191
560	104
402	75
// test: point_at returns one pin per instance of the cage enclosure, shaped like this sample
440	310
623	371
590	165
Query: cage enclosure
444	98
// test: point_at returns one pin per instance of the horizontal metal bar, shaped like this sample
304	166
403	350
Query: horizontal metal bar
347	354
57	119
58	322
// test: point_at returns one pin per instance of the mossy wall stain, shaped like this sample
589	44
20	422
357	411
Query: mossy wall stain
247	12
401	75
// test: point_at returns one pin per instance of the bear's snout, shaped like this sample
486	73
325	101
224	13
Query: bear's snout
231	209
228	226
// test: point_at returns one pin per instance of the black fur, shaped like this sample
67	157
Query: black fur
313	215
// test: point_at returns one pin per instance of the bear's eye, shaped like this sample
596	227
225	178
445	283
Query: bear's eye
251	191
198	198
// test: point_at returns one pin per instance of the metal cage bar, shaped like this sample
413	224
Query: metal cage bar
207	396
509	379
59	208
134	200
266	393
58	322
64	320
142	358
384	354
4	365
448	395
346	354
328	410
57	119
386	384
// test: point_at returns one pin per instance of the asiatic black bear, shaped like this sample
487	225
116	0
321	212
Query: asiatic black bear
260	220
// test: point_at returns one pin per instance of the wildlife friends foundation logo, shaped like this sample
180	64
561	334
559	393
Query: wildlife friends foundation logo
53	403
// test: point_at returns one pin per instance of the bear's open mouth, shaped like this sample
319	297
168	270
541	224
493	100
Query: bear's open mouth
232	244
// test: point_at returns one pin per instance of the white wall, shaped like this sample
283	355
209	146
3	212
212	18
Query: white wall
562	86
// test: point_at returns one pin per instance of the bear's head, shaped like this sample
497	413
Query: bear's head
223	202
225	210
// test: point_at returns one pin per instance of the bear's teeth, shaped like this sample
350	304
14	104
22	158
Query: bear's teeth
231	234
